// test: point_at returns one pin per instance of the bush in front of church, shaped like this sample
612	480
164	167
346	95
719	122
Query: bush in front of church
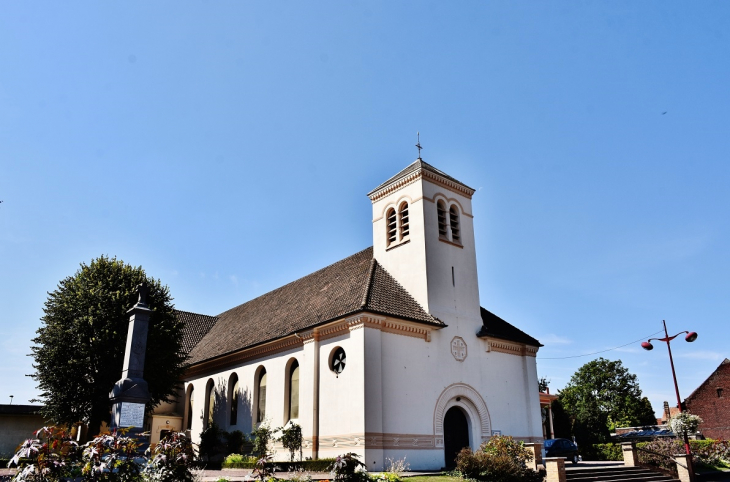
501	459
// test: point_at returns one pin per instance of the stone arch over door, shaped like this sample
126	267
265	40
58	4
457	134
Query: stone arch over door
469	400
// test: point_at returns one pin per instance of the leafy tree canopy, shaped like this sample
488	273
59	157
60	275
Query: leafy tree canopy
601	396
79	349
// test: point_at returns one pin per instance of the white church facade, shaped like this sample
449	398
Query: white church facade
387	353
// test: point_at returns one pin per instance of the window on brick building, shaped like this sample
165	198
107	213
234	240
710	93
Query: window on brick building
719	393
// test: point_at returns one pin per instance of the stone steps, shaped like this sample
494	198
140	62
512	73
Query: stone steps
614	474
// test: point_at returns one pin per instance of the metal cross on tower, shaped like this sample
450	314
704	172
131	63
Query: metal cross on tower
418	144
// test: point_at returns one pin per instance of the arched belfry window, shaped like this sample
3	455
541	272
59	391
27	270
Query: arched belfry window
233	388
391	228
293	390
191	394
261	396
454	221
443	226
403	220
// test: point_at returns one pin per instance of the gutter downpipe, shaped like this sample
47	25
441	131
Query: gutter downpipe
315	397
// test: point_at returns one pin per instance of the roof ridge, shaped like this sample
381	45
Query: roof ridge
369	287
691	395
194	313
280	288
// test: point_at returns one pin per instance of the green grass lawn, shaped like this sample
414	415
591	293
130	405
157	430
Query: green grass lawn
434	478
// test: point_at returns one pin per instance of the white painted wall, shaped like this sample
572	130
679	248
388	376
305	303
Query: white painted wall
393	383
406	262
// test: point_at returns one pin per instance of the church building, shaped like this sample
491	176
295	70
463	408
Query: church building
387	353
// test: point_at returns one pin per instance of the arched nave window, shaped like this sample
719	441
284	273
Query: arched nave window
261	396
210	398
189	423
233	398
293	390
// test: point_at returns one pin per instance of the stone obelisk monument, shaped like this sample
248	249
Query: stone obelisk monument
130	393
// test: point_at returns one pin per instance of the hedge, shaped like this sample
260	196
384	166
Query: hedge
705	451
235	461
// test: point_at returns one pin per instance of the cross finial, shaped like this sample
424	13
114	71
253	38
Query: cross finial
418	145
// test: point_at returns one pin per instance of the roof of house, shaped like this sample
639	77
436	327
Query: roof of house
20	409
707	380
354	284
418	164
493	325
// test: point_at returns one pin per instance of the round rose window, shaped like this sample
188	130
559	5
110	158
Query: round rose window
338	361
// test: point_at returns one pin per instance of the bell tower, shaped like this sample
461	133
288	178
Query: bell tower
423	235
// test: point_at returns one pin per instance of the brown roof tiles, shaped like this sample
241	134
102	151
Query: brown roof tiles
357	283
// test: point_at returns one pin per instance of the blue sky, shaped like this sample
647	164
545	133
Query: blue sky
172	134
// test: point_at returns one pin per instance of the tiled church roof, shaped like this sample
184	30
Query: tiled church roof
357	283
496	327
354	284
195	328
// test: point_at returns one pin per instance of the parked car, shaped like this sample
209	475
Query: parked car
562	447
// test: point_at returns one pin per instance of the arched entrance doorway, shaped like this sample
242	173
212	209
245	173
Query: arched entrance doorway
456	435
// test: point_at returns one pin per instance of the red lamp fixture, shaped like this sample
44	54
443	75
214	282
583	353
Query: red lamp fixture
691	336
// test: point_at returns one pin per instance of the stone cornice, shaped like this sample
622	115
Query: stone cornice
421	173
390	325
320	333
237	358
509	347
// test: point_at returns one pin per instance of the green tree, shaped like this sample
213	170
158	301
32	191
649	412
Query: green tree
601	396
79	349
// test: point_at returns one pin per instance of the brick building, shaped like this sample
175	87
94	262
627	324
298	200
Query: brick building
711	401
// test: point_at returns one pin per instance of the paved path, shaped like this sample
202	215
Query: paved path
238	475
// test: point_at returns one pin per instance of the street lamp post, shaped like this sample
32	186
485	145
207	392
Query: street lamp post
691	336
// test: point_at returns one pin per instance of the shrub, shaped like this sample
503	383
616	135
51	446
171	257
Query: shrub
264	468
261	438
110	457
393	470
388	477
685	422
172	460
211	442
610	451
238	461
659	453
501	459
291	439
51	455
348	468
300	476
711	452
234	442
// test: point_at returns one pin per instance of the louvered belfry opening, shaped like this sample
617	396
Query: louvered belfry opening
454	220
392	226
441	209
403	215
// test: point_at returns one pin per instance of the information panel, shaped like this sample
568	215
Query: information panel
131	415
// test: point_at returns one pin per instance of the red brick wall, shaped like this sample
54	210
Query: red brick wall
714	409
